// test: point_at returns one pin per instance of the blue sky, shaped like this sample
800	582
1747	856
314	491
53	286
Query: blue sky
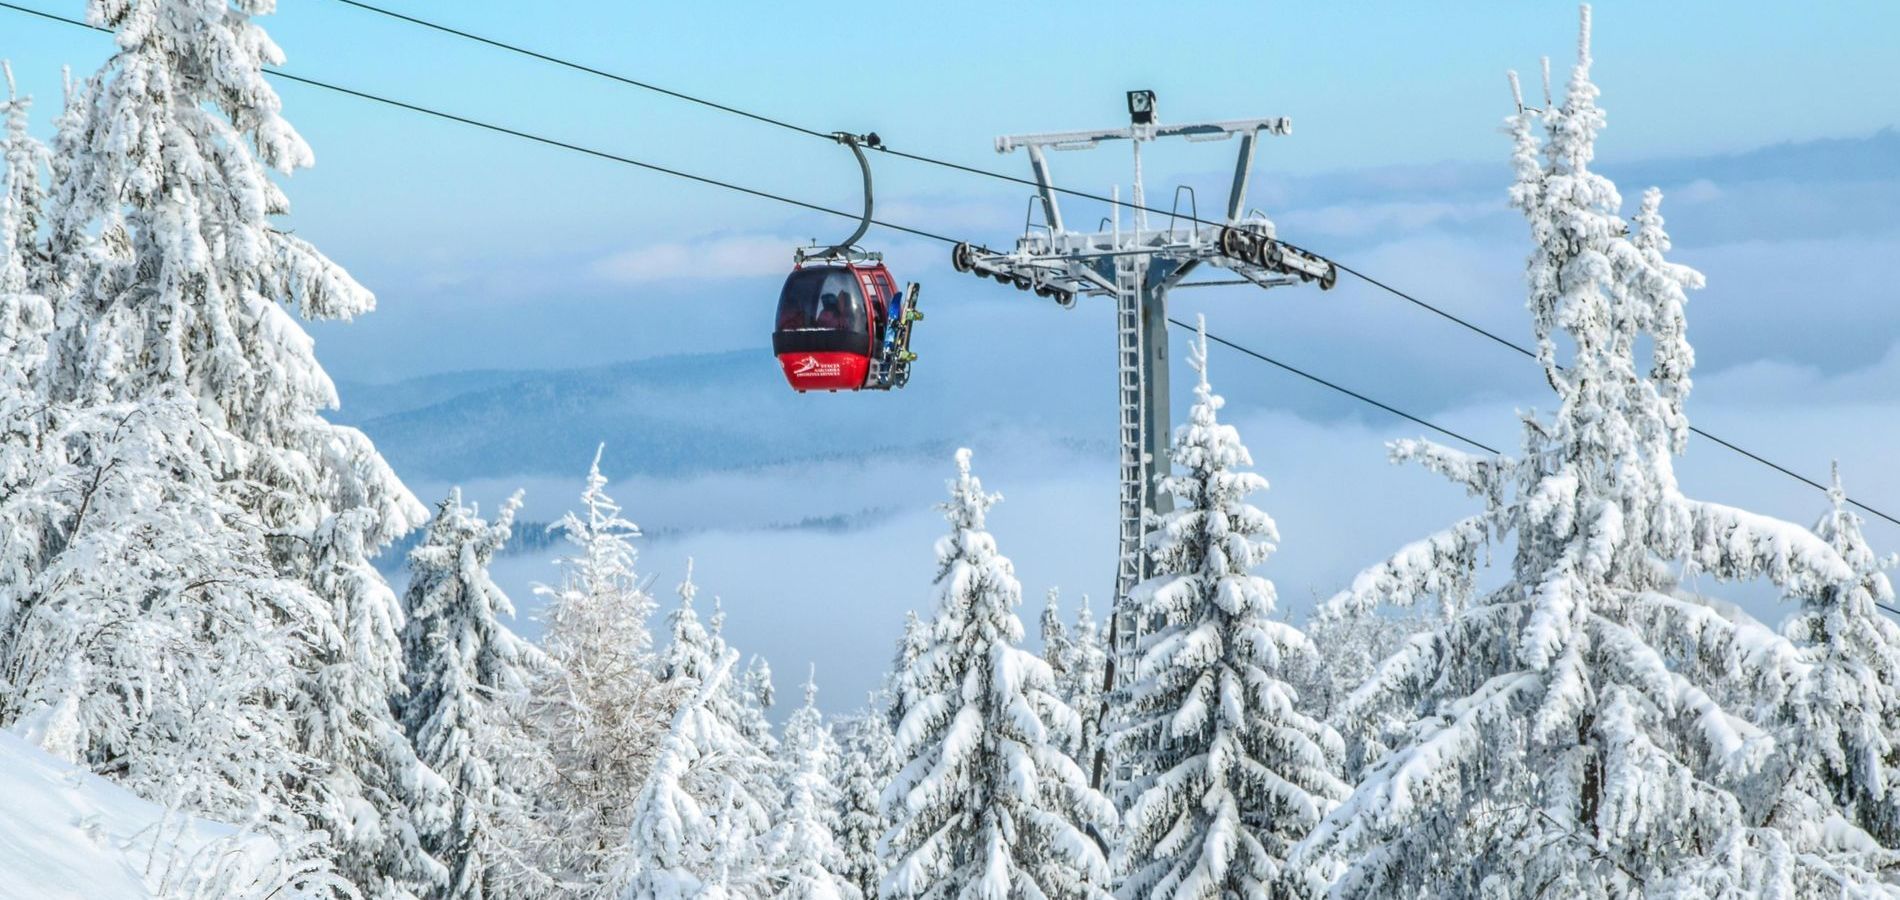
1763	124
1366	84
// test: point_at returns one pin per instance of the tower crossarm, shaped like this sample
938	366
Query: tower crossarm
1037	146
1062	266
1198	131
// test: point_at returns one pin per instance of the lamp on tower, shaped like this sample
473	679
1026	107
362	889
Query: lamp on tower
1141	107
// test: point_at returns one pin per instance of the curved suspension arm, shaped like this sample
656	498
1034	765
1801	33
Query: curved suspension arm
864	223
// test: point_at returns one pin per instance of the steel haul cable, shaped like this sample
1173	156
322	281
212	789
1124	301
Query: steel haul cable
908	230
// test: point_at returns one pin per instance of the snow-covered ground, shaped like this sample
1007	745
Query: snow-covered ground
66	833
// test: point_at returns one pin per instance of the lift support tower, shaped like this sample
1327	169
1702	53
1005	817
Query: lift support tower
1138	266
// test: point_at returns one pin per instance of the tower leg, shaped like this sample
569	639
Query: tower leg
1142	324
1156	425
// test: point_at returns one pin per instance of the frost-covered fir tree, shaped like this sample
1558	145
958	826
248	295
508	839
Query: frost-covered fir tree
155	641
1057	650
1078	662
146	628
988	803
1836	761
676	847
382	798
1083	685
25	317
25	269
870	759
177	297
464	664
1230	770
596	711
802	858
752	692
140	632
693	650
756	696
1583	729
1351	647
900	683
735	784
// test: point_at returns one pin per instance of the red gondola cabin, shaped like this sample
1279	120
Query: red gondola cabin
832	322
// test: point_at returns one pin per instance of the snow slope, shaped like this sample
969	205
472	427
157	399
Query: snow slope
66	833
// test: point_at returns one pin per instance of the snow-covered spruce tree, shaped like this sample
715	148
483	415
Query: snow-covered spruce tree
753	695
1351	647
1230	771
693	650
155	642
463	665
756	696
1057	650
802	856
1836	755
1570	735
1082	686
870	759
596	712
25	266
25	317
988	802
177	297
676	847
734	785
734	874
900	683
141	631
349	718
1078	662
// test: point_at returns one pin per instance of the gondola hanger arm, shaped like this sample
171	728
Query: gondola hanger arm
857	143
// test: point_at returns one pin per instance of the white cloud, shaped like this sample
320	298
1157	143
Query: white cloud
948	215
1778	383
728	257
838	596
1700	190
1368	219
722	257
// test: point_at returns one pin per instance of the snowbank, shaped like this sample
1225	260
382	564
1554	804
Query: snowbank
66	833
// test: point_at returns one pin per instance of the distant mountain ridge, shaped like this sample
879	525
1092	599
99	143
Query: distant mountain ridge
1872	157
669	415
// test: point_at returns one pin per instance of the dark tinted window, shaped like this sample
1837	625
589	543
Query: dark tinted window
821	298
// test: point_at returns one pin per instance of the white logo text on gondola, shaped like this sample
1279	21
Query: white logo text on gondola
810	367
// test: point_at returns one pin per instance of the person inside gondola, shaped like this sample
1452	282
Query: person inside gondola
828	317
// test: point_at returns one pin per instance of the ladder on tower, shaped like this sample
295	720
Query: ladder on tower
1129	272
